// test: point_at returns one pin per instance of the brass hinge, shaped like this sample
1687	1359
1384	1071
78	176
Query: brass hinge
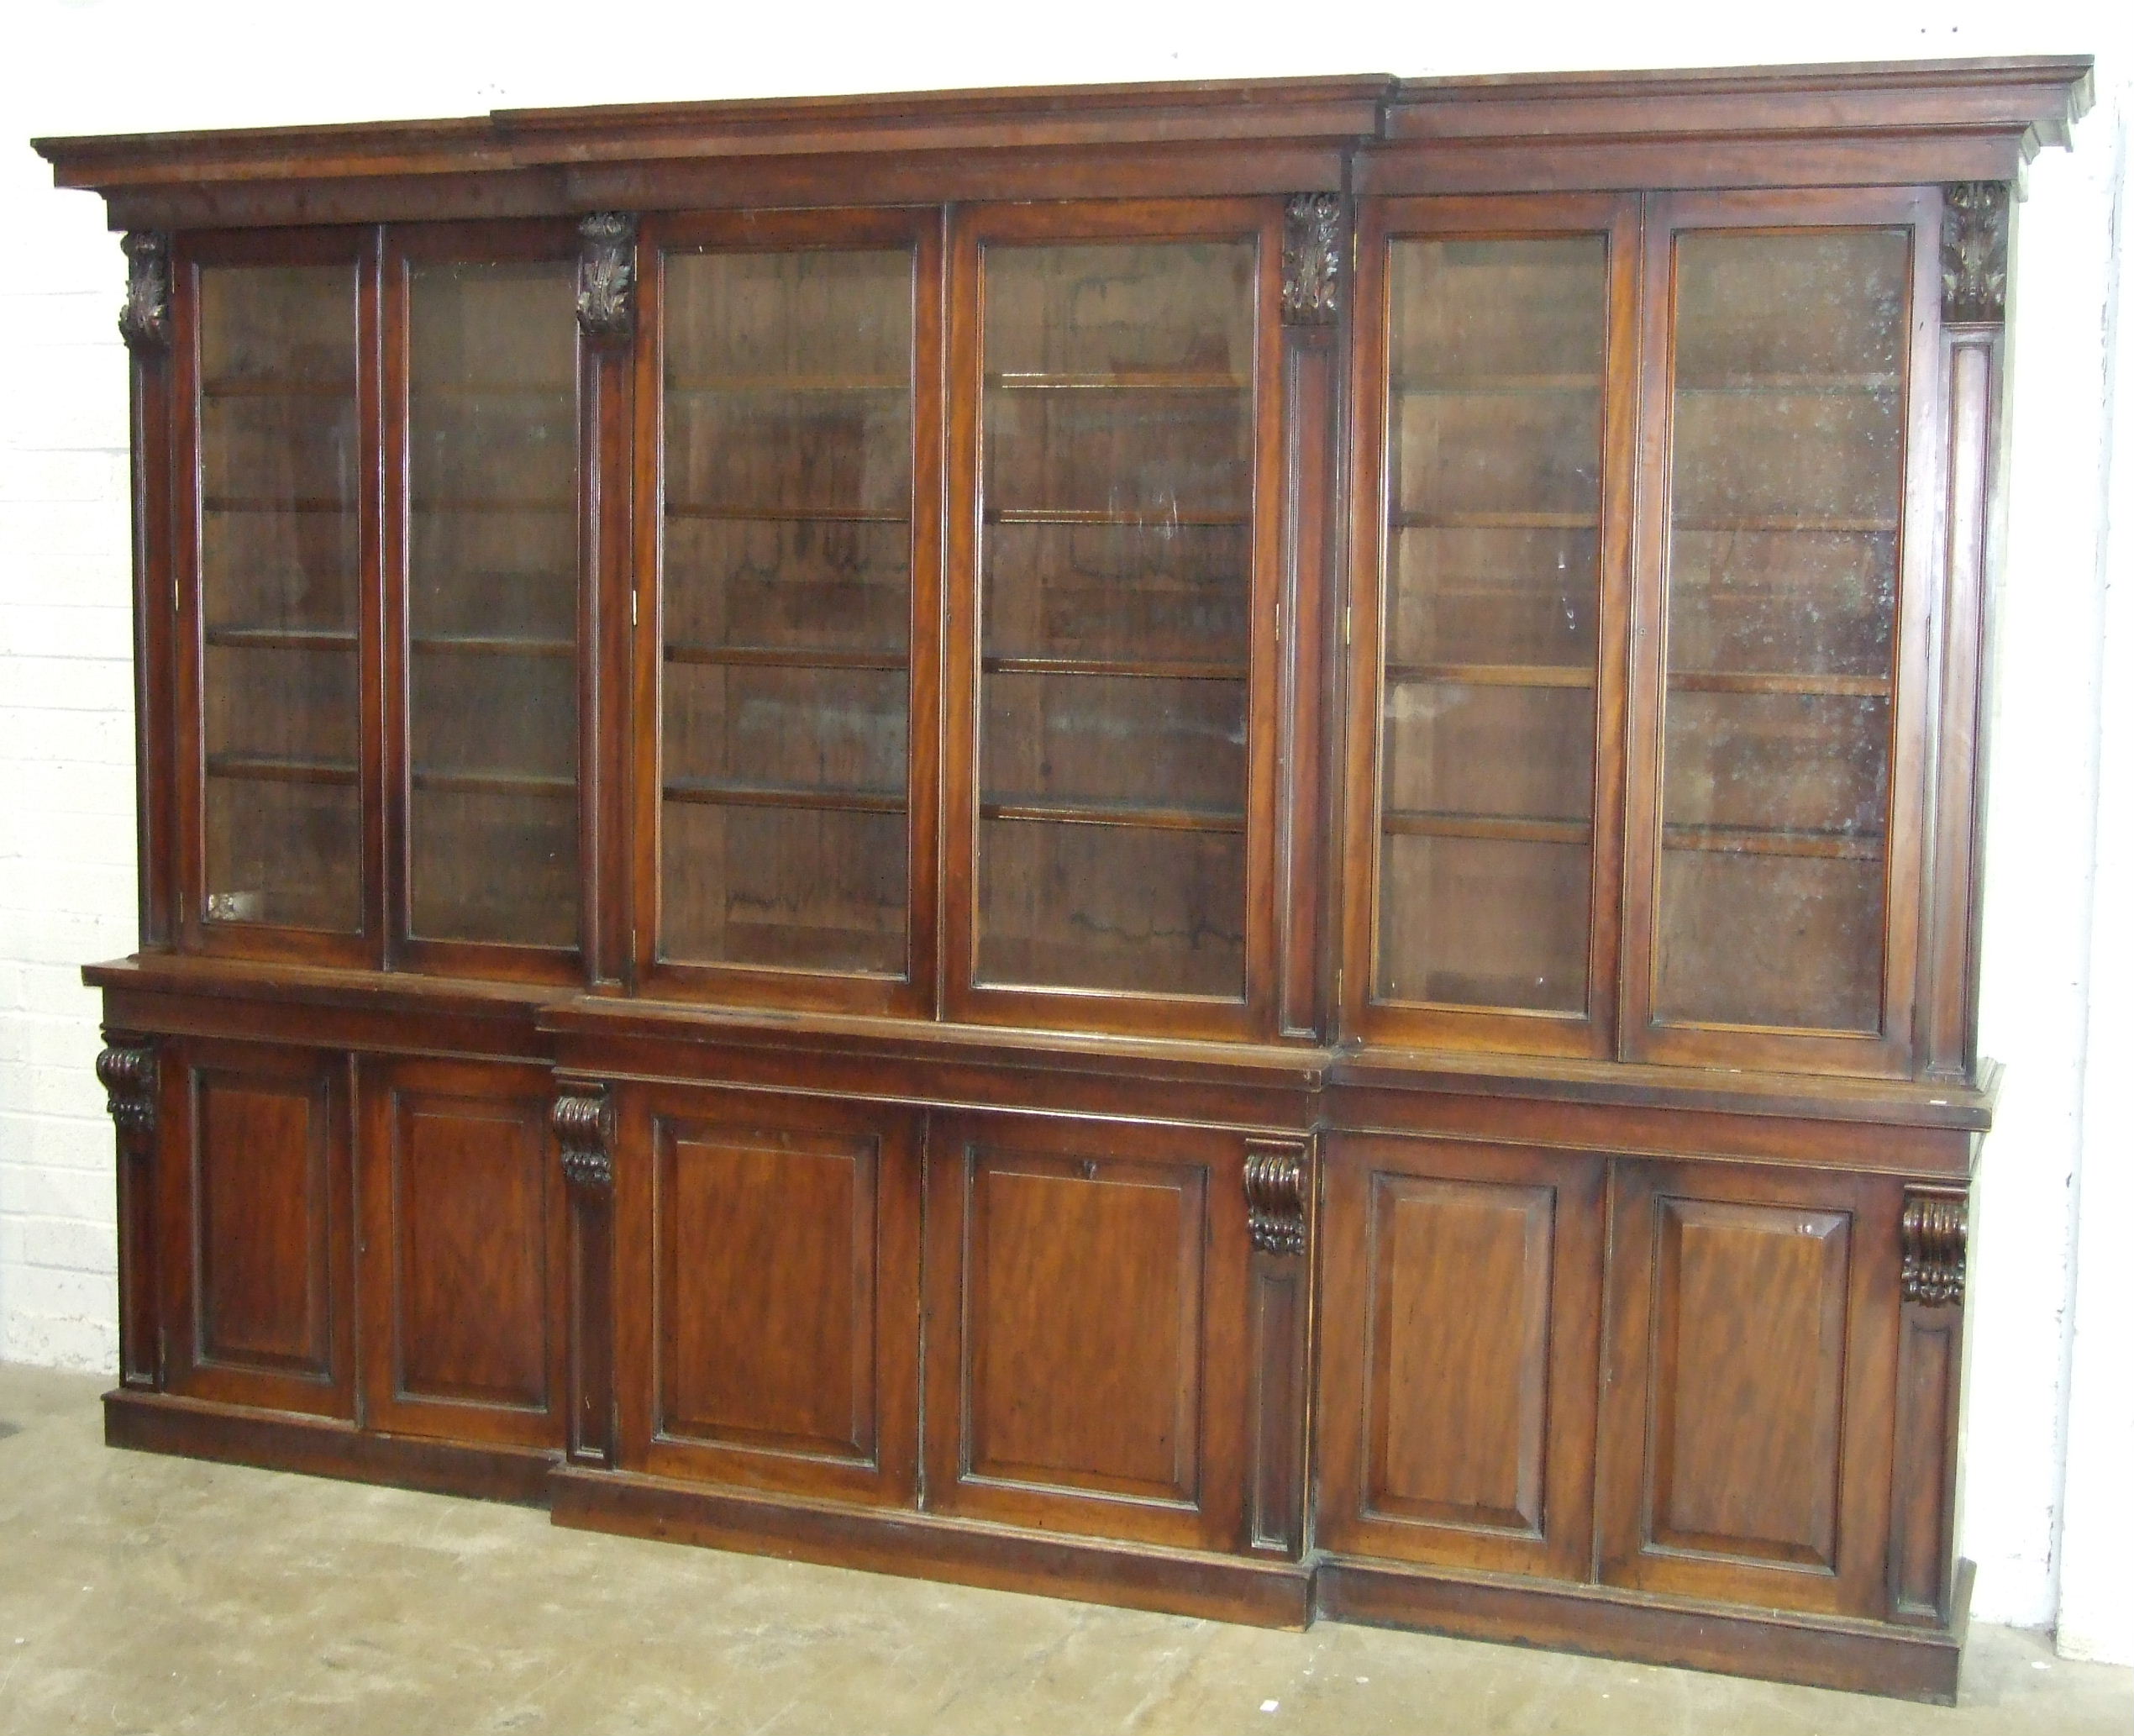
1348	624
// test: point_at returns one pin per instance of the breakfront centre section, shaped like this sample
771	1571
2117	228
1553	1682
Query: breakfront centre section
1210	845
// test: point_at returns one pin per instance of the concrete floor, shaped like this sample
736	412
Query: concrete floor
141	1593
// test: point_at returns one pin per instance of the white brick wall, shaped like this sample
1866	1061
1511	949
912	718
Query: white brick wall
65	734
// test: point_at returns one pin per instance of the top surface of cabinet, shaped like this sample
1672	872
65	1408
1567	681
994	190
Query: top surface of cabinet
905	556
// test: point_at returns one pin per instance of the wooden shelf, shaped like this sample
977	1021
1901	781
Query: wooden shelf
1152	669
1786	523
213	389
773	385
714	792
1504	829
1763	841
1496	385
779	657
495	503
491	388
1153	381
267	768
1790	385
266	503
1127	814
1493	675
471	644
1150	520
1714	681
1493	521
281	638
493	783
788	515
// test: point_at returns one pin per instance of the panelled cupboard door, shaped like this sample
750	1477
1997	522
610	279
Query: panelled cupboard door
1459	1336
257	1202
1114	524
1786	601
462	1252
1086	1347
490	448
275	546
1495	371
1747	1423
767	1293
788	403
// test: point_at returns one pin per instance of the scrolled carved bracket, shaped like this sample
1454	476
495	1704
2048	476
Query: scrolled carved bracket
1311	257
1975	252
128	1073
608	276
144	316
584	1125
1935	1236
1275	1173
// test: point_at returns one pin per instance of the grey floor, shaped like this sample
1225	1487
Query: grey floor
141	1593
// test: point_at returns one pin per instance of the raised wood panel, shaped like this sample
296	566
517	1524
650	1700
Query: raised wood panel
1088	1331
767	1324
1750	1383
1457	1351
261	1186
462	1253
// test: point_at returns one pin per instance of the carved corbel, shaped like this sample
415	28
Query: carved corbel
1274	1172
584	1124
128	1072
144	316
1935	1236
608	276
1975	253
1311	260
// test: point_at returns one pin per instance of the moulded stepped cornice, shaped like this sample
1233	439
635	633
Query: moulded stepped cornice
1944	121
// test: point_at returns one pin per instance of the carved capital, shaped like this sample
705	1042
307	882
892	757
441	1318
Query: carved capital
584	1125
608	276
128	1071
1975	252
1274	1172
1311	251
144	316
1934	1237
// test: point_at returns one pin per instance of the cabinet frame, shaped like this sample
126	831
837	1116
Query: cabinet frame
963	998
912	995
1384	221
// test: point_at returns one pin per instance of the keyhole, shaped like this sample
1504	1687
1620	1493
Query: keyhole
1089	1168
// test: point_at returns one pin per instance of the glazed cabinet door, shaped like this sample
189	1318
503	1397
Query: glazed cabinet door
275	562
490	621
1114	516
788	448
767	1262
1751	1369
258	1242
1787	572
460	1255
1495	360
1086	1360
1459	1337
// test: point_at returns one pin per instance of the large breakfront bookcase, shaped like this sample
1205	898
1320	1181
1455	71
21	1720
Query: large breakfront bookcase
1213	845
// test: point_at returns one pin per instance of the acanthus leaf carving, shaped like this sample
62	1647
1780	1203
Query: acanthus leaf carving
1274	1182
144	316
1935	1236
1311	260
127	1071
584	1125
1975	252
608	276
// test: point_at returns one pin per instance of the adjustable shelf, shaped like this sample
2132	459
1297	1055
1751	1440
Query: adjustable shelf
781	657
788	515
1767	841
1148	668
1715	680
1155	380
281	638
474	645
1507	828
1133	815
1152	519
269	768
1493	521
716	793
1493	675
497	783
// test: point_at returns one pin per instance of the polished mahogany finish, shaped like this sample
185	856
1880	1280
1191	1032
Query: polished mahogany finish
1212	845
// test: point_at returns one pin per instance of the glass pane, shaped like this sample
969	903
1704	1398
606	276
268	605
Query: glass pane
1787	483
787	609
279	577
1116	595
1497	351
492	603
